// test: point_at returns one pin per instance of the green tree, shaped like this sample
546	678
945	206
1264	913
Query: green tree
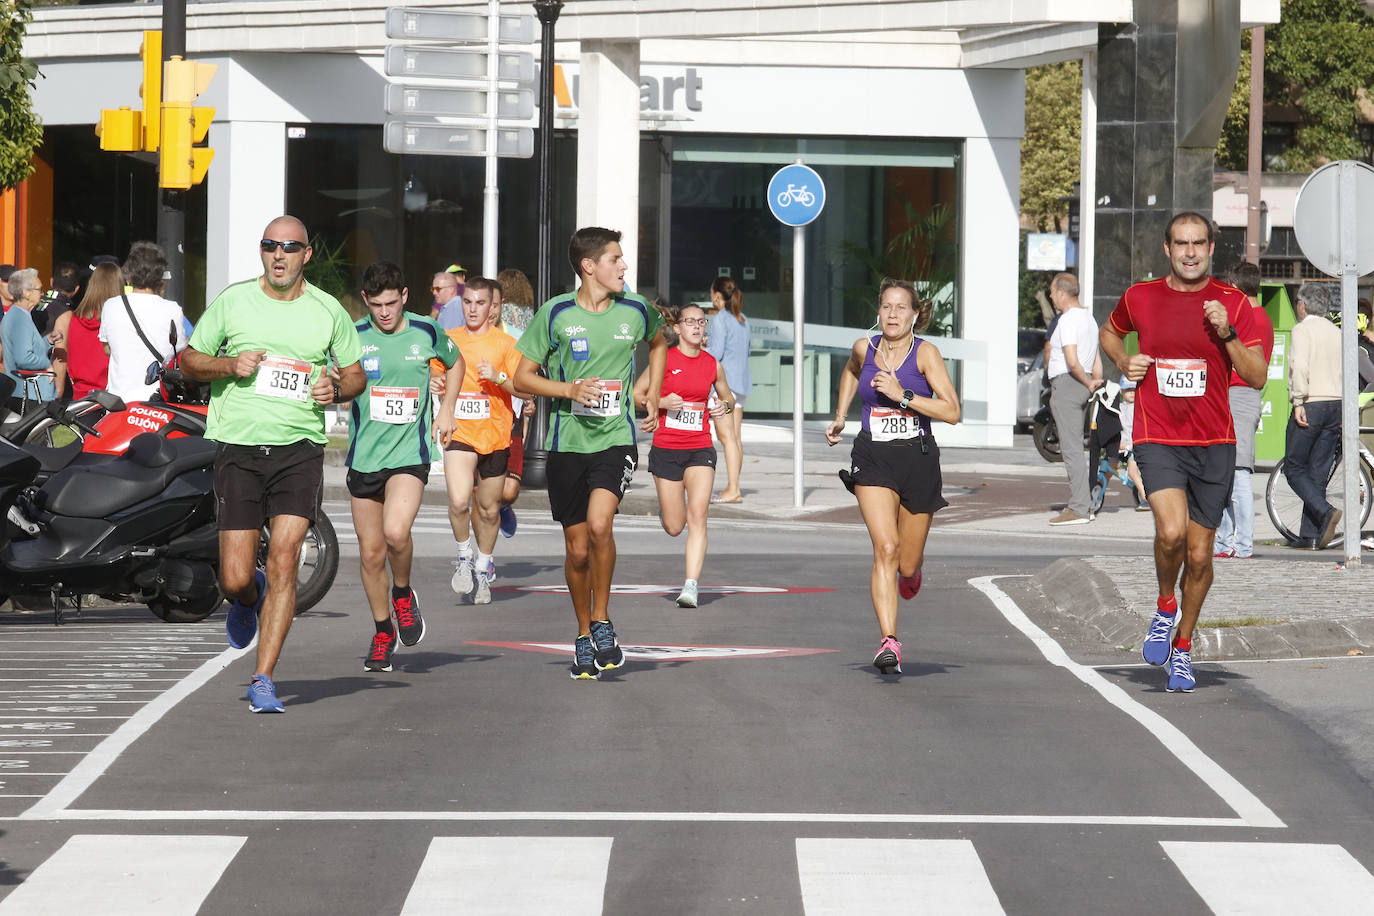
1049	152
1233	149
20	129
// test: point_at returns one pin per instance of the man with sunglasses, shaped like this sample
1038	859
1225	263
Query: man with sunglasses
265	346
449	283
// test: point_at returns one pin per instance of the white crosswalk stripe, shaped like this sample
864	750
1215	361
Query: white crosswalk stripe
494	876
1253	879
155	875
115	875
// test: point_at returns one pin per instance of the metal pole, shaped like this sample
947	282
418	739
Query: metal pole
1350	415
1256	153
171	210
491	194
798	359
536	455
1087	180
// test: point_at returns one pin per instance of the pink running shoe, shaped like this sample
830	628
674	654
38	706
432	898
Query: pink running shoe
889	657
908	586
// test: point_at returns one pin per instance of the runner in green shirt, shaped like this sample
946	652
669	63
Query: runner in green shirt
587	339
268	392
389	451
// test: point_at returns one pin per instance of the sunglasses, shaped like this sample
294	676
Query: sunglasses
290	246
440	289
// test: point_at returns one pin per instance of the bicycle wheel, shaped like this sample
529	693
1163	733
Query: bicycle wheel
1285	507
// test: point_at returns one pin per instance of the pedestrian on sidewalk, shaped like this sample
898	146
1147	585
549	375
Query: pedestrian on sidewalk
895	463
1192	331
1312	443
1236	533
1075	372
729	343
682	458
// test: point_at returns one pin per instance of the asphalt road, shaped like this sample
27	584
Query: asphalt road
746	760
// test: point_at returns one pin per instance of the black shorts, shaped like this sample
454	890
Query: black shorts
572	476
901	466
254	483
672	463
490	465
372	485
1204	472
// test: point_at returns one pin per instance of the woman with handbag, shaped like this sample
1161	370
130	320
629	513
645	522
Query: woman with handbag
140	328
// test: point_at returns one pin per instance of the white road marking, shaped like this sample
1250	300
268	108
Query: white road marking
844	876
1244	802
137	875
1253	879
511	875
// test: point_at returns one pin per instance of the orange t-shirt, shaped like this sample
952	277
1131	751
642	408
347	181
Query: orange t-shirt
484	408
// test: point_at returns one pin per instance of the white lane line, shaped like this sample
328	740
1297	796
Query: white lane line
687	817
1244	802
844	876
116	875
94	764
521	874
1252	879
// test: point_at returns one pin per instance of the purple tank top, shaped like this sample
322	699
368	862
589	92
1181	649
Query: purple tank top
907	373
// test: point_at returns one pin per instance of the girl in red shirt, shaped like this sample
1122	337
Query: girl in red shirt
682	458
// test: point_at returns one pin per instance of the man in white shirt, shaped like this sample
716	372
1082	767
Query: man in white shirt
162	324
1313	438
1075	371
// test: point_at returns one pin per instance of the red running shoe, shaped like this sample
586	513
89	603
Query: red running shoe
410	626
908	586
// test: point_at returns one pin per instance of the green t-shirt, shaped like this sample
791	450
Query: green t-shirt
273	406
395	431
575	343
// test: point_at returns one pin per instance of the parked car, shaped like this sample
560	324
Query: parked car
1030	371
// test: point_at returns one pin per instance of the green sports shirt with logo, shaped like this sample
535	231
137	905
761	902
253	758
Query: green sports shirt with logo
273	406
574	343
392	420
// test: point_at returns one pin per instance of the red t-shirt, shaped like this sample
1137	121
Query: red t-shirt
1265	328
692	377
1188	358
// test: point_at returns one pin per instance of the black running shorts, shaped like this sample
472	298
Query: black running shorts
572	476
372	485
1204	472
256	482
905	466
492	464
672	463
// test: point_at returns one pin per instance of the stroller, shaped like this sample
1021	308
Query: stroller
1104	447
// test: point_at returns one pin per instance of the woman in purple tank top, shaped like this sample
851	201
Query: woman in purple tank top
895	464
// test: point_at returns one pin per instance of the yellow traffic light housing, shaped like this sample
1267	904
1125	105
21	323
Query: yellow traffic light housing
120	129
151	88
182	164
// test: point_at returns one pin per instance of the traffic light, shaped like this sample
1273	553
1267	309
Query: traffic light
125	130
182	164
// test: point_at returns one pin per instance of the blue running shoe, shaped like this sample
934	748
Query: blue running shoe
608	652
1181	672
1158	642
262	695
241	623
508	522
584	660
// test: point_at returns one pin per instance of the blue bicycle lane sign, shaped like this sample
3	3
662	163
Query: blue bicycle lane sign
796	195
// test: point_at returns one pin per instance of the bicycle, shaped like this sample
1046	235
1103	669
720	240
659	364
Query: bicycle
1285	507
1105	475
800	195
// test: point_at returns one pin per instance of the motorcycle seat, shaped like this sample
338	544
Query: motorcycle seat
147	469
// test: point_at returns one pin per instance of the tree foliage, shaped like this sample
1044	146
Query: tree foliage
1049	152
20	130
1233	149
1317	68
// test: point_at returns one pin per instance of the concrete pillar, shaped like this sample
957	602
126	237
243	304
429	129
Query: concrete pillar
608	143
245	190
1163	84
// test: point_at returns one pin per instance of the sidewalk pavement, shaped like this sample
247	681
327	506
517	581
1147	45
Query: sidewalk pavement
1284	603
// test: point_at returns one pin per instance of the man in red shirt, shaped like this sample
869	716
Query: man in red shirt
1192	332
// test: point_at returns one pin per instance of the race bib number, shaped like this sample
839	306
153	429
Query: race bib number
1181	378
888	424
472	406
279	377
394	405
607	406
691	417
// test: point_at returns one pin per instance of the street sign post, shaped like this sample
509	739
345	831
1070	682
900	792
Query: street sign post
796	196
1328	229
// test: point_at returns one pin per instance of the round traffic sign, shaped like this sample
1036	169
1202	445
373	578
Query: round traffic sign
1317	217
796	194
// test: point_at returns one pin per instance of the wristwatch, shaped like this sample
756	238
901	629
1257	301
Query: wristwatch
907	395
1232	329
338	393
501	379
